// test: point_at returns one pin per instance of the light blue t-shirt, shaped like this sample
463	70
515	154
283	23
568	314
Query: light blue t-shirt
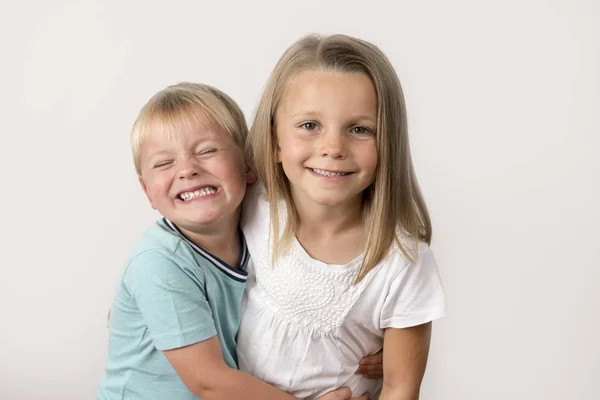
172	293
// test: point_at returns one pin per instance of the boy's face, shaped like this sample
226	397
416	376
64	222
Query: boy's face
197	179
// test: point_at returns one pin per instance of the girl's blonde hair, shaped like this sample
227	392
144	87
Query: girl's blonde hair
393	205
183	105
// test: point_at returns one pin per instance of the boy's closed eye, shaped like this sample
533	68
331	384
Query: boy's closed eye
206	151
161	164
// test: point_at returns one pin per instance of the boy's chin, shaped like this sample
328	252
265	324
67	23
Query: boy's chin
205	222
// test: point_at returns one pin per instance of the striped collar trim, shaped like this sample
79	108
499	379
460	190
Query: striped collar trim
239	275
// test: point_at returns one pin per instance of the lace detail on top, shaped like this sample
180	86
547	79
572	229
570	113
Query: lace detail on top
308	292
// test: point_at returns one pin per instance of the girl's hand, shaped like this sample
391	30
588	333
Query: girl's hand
342	393
371	366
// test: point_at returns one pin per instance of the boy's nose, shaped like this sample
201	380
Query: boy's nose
187	169
187	174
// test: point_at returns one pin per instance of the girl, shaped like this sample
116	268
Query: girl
338	231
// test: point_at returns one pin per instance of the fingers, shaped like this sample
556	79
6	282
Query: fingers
371	371
365	396
342	393
371	360
371	366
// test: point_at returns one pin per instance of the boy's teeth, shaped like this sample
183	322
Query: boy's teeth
328	173
185	196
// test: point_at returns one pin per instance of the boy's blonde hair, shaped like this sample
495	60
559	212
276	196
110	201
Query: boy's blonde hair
393	206
183	105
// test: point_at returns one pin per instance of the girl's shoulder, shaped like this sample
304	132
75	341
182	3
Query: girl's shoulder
254	201
256	217
255	192
407	252
407	247
414	290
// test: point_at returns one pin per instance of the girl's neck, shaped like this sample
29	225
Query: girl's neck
333	235
329	219
329	222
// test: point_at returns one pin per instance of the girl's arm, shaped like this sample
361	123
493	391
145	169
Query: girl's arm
202	369
405	353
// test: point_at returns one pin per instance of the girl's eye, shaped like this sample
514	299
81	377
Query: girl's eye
309	126
360	130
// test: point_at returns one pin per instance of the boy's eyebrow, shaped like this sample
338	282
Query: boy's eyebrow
158	153
163	152
151	157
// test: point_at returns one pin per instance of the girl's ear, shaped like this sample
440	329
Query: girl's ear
146	190
276	139
277	153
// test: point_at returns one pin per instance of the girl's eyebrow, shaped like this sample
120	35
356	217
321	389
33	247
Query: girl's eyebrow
306	113
352	118
364	117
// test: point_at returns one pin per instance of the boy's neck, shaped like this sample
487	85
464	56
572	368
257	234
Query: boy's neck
222	242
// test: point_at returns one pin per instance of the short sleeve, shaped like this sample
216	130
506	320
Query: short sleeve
172	301
416	295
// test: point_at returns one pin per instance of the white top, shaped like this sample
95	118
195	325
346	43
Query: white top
305	325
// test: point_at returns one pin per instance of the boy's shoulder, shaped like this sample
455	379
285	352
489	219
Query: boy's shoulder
161	238
157	237
166	249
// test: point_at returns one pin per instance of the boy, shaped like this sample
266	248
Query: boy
176	309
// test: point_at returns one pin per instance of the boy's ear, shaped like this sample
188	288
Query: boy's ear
146	191
250	175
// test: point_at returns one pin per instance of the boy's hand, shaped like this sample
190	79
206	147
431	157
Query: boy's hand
371	366
342	393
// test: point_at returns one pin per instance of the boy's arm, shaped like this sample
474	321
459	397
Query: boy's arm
176	311
202	369
405	353
371	366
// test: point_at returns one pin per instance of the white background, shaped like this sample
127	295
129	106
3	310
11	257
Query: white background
503	101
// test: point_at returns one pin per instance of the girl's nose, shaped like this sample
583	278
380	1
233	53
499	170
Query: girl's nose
333	145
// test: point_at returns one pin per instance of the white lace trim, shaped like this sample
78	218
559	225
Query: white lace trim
307	293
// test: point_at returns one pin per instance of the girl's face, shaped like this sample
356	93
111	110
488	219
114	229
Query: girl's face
326	127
